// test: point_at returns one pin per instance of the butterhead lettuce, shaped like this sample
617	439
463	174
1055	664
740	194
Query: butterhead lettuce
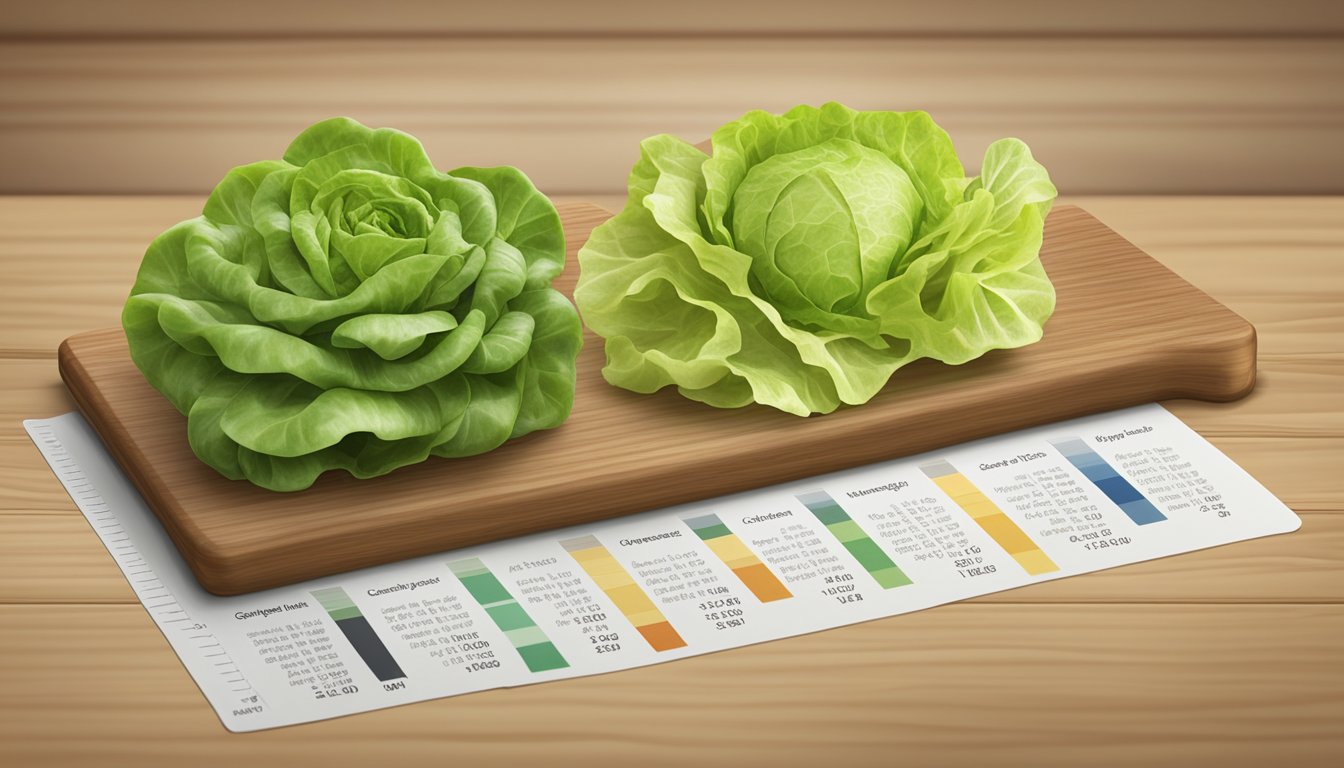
810	255
352	307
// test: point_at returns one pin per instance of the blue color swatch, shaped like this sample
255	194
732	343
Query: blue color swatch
1103	475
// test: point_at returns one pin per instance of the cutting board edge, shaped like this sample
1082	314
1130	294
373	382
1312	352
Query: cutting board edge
1233	356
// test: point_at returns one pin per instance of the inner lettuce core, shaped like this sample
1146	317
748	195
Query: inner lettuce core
810	255
823	224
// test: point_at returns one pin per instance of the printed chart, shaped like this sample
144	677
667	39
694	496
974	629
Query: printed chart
629	598
988	516
359	632
876	562
853	546
537	651
744	563
1111	483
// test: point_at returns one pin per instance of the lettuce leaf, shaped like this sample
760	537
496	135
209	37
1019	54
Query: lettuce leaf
352	307
812	254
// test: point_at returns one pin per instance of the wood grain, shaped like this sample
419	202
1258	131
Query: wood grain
1136	115
1157	337
521	18
1298	397
1275	262
1298	471
31	387
968	684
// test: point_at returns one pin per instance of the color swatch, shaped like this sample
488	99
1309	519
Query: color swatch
630	600
356	628
1104	476
745	565
537	650
989	517
859	544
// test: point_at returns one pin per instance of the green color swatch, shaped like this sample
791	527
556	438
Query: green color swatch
537	651
858	543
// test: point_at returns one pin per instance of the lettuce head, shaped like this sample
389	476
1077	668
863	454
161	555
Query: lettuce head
352	307
810	255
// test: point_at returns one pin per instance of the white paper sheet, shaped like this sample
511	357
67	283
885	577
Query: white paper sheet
875	541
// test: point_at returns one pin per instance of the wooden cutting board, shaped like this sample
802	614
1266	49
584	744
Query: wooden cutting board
1126	331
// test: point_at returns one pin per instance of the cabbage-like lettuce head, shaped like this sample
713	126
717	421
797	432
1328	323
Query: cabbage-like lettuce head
810	255
352	307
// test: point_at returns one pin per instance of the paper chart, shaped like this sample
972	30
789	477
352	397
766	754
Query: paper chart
867	543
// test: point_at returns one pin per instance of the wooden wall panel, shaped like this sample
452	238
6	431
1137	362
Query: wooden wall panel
1105	114
260	18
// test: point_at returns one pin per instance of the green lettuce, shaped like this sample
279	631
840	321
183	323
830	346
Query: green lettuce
352	307
812	254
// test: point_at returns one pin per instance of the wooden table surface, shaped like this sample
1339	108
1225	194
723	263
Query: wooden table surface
1233	656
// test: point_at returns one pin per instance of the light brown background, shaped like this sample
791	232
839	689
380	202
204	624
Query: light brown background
1145	96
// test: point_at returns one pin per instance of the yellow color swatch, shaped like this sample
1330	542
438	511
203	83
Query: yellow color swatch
999	526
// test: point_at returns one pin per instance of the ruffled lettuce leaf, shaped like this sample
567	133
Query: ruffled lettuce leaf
812	254
352	307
